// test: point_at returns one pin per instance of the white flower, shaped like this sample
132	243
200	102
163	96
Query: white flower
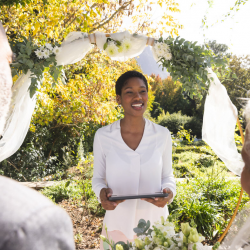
39	54
56	50
49	46
112	49
153	234
46	53
157	248
126	44
162	50
168	56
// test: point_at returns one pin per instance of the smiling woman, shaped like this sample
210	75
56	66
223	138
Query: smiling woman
132	156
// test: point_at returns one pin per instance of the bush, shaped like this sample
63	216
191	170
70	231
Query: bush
195	125
63	191
173	121
209	201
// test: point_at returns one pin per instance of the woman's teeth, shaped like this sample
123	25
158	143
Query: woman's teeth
137	105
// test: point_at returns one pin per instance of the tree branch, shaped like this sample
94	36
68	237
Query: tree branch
16	169
93	5
111	17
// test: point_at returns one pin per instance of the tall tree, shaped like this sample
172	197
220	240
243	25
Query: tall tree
240	86
218	48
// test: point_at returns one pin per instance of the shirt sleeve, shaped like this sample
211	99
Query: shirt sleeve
99	176
168	180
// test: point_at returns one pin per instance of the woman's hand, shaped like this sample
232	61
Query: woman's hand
106	204
161	201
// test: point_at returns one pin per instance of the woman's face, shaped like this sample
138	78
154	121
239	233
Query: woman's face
134	97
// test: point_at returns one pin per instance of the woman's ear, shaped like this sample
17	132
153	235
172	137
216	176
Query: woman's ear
118	99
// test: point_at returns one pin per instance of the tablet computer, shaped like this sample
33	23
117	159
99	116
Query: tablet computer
139	196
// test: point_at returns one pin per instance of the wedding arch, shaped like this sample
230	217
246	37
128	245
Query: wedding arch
184	60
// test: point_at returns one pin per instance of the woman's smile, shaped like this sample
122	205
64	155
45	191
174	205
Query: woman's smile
137	106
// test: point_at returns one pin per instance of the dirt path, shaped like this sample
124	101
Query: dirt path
87	228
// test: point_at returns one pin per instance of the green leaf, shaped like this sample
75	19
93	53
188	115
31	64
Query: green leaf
138	230
234	76
105	245
118	43
30	63
67	184
105	45
142	224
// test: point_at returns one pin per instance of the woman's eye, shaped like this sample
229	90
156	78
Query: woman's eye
129	92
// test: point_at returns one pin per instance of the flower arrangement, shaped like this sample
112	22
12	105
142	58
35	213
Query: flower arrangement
30	56
115	47
44	52
161	237
162	50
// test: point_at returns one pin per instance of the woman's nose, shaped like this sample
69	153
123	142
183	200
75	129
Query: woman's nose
137	95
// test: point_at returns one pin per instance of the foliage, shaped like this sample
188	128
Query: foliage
218	48
63	191
91	200
238	87
13	2
172	121
195	126
185	134
169	96
46	152
209	201
52	20
27	60
189	64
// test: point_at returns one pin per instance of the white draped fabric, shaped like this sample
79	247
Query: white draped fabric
220	117
18	121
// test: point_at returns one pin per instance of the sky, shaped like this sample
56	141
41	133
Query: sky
234	31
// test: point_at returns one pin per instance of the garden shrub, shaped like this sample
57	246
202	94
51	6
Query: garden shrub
195	125
173	121
210	201
63	191
182	170
205	161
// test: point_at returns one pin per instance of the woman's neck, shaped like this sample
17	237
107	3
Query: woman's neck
133	124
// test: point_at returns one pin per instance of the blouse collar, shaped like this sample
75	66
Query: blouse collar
118	123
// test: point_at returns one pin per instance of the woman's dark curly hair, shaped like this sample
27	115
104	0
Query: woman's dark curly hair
123	79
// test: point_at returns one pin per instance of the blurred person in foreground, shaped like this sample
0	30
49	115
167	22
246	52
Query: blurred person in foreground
5	77
245	175
28	220
238	237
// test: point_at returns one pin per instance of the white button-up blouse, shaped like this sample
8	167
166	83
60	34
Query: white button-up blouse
146	170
